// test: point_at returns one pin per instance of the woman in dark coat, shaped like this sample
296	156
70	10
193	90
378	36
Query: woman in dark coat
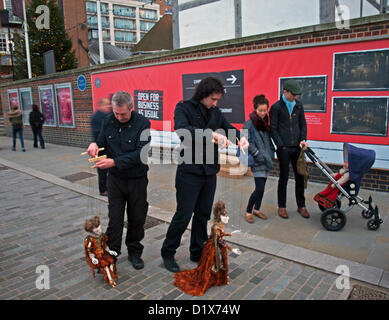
262	149
36	121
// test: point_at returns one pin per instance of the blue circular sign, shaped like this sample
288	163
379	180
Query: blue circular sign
97	82
81	82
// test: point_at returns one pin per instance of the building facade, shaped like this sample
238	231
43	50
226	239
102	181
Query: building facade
124	22
6	35
196	22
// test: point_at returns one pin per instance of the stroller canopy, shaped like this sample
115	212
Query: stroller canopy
359	161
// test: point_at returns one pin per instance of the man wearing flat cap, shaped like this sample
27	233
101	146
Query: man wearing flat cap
289	133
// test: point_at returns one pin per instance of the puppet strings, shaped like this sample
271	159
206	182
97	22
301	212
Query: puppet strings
228	189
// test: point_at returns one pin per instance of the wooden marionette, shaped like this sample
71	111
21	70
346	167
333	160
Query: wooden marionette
212	269
96	158
97	254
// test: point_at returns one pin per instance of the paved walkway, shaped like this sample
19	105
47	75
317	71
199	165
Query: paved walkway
46	196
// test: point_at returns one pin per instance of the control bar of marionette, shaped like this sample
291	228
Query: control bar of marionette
240	146
86	152
214	141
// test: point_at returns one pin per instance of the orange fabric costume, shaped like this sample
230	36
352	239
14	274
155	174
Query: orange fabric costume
212	269
96	245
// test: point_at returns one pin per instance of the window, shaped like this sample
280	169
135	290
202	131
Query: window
92	21
8	6
125	24
146	26
124	11
92	7
148	14
125	36
94	34
3	42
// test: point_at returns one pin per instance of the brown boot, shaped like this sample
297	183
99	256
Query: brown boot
282	213
259	214
249	218
304	212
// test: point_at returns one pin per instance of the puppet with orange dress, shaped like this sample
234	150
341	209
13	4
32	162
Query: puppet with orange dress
97	254
212	269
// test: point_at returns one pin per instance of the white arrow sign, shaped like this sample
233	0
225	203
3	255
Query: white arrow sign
232	79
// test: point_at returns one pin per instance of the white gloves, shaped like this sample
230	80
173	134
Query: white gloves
236	251
111	252
94	260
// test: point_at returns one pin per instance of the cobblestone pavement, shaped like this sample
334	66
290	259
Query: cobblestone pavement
41	225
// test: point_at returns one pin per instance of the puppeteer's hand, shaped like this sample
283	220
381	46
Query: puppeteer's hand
221	140
93	150
243	143
236	251
303	144
95	261
105	163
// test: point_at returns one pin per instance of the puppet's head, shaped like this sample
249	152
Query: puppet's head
93	225
220	212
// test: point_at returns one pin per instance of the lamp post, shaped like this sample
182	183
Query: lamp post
100	31
27	41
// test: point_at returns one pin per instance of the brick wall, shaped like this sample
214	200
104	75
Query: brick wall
79	136
375	179
362	29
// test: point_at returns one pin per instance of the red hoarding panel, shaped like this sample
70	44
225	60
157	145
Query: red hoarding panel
160	87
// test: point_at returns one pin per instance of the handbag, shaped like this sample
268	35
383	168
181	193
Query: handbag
247	159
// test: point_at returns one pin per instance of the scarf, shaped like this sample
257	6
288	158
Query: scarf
259	123
289	104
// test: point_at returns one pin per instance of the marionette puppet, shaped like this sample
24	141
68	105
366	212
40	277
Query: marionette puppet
97	254
212	269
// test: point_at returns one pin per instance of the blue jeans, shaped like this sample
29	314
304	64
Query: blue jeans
15	131
37	132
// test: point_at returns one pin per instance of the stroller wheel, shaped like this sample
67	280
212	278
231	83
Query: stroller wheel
337	205
333	219
367	214
373	225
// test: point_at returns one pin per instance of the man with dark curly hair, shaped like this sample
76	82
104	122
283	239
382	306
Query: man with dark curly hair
202	128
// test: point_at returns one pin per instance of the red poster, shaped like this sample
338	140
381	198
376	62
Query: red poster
13	100
65	109
262	73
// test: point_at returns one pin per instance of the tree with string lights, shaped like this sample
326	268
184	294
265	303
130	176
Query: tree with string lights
42	40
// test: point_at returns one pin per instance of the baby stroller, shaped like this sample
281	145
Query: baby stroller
345	184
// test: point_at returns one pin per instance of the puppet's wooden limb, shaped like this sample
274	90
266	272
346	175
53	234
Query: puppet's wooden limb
96	159
240	146
86	152
111	282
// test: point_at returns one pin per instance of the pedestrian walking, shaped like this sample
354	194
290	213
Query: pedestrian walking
16	119
36	120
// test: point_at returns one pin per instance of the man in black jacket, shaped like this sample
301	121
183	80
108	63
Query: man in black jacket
195	122
125	135
289	133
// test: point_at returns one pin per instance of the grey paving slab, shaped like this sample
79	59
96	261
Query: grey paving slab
52	231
